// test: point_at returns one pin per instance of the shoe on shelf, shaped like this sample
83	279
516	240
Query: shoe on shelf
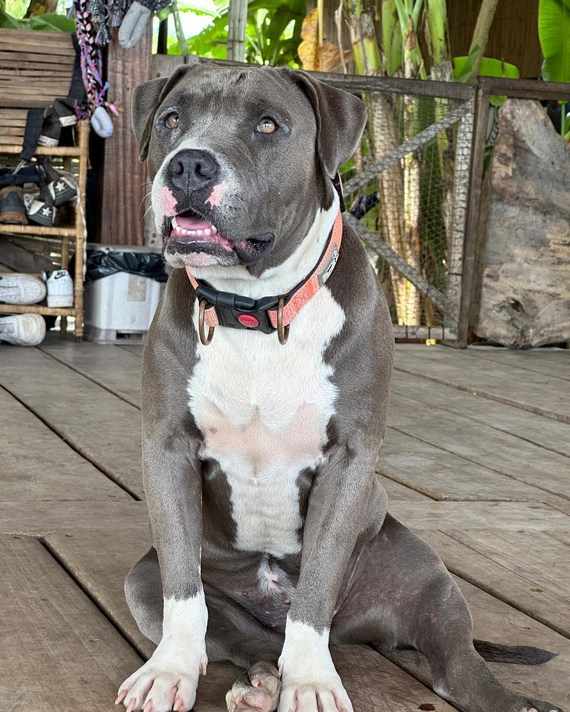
16	288
22	329
60	289
38	211
61	113
12	208
61	187
39	206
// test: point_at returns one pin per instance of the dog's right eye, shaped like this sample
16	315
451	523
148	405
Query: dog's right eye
172	120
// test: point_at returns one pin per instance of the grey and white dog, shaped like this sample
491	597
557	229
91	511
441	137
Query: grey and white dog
270	531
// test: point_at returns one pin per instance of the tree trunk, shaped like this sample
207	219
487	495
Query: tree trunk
481	35
40	7
237	22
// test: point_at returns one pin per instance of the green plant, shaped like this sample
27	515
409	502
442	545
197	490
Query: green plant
273	33
49	21
462	67
554	34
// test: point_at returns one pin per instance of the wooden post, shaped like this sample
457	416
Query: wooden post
124	181
472	231
237	22
456	241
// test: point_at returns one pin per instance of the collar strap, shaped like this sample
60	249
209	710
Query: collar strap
267	314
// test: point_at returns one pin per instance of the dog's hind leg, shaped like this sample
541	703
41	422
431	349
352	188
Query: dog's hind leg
233	635
143	591
401	595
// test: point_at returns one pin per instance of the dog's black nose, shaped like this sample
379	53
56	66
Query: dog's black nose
191	170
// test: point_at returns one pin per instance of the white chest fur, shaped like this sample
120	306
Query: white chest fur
263	409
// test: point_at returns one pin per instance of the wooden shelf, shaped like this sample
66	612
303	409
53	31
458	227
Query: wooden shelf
69	151
37	309
38	230
65	233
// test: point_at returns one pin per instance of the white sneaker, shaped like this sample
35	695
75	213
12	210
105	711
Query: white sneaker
60	289
16	288
22	329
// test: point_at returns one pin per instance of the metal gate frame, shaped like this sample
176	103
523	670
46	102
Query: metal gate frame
450	302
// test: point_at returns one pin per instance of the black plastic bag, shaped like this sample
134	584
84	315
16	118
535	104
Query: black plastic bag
145	264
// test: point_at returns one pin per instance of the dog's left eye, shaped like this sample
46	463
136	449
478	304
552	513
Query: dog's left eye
266	126
172	120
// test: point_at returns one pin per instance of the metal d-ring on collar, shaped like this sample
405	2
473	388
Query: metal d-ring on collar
282	332
205	340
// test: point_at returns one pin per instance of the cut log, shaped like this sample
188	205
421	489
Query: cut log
523	267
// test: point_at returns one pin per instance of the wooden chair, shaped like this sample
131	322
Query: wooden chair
35	68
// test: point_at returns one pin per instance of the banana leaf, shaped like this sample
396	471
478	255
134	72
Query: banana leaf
489	68
554	34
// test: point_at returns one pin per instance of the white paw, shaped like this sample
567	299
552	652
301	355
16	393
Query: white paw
168	681
310	680
327	695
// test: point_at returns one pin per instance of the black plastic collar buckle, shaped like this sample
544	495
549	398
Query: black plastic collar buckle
338	187
237	311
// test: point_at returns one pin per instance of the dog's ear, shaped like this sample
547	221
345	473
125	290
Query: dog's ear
341	118
145	101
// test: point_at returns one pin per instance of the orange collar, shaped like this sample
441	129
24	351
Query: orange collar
267	314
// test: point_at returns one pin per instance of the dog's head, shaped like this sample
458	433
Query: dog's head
241	159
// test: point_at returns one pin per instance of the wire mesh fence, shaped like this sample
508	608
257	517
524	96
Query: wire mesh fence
406	192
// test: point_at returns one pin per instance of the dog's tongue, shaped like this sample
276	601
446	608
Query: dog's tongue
192	223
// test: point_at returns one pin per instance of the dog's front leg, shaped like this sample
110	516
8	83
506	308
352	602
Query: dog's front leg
173	488
344	503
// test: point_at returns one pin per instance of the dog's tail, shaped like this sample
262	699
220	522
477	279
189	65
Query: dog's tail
514	654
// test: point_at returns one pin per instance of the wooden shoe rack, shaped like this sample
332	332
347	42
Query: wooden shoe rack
36	69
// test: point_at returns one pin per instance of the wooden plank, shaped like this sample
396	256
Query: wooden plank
37	229
103	428
30	37
56	647
39	518
525	592
13	121
549	361
125	177
29	59
12	73
478	443
443	475
497	622
54	51
100	562
479	515
537	429
108	365
531	555
38	465
541	394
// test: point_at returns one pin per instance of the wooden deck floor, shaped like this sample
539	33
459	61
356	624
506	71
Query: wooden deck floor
476	460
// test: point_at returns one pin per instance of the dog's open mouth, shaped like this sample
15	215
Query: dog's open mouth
192	234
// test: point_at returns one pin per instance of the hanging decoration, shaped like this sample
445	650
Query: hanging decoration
92	33
94	20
